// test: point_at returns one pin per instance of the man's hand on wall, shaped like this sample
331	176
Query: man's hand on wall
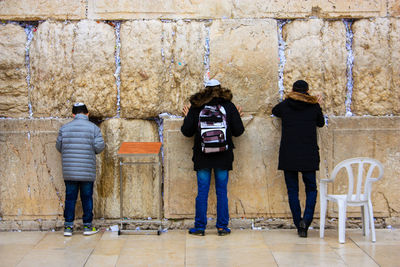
185	109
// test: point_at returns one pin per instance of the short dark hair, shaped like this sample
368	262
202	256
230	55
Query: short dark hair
300	86
79	108
215	87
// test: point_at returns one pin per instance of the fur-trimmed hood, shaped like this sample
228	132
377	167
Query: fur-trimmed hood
302	97
208	93
300	101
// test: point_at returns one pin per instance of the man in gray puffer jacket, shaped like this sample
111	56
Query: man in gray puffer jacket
79	141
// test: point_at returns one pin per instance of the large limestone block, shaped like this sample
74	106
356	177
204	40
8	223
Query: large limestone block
375	137
173	9
13	86
141	190
316	52
42	9
255	187
244	57
307	8
162	65
73	62
31	182
158	9
179	178
373	93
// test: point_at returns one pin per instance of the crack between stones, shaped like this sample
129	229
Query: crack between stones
29	29
86	8
117	73
74	38
207	53
390	209
50	175
282	57
267	189
350	63
241	204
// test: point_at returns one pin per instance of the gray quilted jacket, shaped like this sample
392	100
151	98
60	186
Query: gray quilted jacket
79	141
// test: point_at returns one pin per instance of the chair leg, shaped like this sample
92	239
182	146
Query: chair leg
323	207
366	220
342	221
363	219
371	220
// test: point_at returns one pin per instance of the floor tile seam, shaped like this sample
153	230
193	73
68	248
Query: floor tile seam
356	248
330	250
340	256
88	257
269	249
93	249
116	262
185	257
101	242
366	252
43	237
33	247
273	257
120	252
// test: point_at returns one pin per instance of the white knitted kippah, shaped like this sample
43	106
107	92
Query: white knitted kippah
212	82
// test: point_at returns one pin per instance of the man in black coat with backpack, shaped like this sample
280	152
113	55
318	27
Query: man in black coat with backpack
213	119
301	114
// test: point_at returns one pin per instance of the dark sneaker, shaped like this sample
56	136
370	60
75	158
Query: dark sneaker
68	231
196	231
89	230
302	230
224	231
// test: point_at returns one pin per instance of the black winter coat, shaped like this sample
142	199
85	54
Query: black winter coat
221	160
300	114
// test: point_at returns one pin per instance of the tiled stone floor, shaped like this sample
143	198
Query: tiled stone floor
177	248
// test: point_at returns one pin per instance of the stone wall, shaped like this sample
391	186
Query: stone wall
130	61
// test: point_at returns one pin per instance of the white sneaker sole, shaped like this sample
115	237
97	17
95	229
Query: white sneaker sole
67	234
90	233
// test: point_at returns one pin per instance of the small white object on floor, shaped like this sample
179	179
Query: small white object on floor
114	228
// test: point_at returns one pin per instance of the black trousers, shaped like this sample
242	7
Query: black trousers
292	185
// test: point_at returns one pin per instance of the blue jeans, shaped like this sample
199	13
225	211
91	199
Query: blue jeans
71	195
292	185
203	186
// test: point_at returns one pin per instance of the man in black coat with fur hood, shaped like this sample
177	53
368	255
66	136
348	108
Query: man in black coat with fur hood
215	96
299	151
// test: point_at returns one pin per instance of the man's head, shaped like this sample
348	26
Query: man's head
300	86
79	108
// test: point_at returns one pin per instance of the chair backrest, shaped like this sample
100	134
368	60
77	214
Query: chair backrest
363	176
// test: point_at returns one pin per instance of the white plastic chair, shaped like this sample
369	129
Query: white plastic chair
358	198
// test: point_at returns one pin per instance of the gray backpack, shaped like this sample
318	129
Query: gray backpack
212	126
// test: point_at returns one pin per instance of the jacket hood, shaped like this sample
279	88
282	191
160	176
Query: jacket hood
300	100
208	93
